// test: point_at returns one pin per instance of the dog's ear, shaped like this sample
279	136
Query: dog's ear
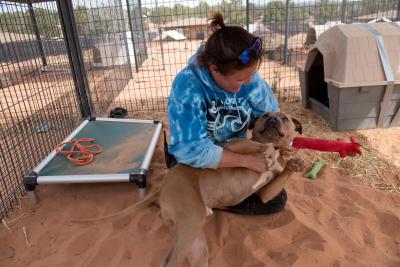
298	125
252	123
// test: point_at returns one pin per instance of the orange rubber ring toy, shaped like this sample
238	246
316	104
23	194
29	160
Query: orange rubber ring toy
78	153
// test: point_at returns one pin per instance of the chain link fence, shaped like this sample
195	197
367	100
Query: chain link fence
64	60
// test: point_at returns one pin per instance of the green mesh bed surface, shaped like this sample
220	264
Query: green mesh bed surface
124	147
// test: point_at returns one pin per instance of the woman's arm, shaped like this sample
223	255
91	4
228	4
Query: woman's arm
255	162
187	111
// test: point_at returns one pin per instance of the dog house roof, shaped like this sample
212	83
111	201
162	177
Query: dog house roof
351	55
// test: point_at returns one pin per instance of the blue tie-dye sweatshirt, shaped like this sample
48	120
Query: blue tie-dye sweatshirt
202	116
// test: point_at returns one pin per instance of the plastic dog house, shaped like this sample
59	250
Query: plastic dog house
351	76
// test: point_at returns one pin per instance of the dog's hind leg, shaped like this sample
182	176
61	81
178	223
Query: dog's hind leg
185	219
185	233
198	254
272	189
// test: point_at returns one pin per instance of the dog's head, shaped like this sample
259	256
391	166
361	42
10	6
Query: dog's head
277	128
118	113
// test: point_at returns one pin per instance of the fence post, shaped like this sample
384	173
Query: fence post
343	16
133	40
247	15
142	24
398	11
121	24
37	35
71	38
352	12
160	35
285	50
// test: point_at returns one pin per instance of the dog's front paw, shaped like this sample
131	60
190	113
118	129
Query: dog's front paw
269	155
295	165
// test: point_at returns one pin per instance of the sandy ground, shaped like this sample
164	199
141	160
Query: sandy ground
349	216
339	219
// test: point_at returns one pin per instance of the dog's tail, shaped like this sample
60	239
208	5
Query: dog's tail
146	202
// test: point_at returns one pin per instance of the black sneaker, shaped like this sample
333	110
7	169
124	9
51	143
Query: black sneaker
253	205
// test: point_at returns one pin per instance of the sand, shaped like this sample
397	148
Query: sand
335	220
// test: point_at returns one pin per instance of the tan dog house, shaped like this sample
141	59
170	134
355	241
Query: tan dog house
351	76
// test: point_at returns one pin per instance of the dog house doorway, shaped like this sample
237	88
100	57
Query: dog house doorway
317	86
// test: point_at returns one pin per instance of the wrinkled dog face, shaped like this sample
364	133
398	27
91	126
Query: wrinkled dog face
276	127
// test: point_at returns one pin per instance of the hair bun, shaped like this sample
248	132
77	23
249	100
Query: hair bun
217	21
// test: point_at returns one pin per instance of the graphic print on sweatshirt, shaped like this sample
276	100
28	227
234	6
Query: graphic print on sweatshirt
227	120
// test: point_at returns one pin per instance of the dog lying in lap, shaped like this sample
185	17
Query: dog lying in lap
187	195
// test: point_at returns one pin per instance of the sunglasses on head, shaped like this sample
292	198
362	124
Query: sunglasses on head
245	57
256	48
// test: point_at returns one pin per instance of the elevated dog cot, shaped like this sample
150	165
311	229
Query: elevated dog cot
351	77
128	146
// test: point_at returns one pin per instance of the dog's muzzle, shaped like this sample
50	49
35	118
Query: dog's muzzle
272	127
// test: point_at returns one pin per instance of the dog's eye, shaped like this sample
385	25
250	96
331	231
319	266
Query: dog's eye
285	119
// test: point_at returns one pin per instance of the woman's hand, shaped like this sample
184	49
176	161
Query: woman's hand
256	162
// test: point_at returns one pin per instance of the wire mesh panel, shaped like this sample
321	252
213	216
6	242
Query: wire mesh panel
103	30
38	104
162	35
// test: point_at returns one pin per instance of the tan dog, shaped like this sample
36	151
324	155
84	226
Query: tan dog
187	195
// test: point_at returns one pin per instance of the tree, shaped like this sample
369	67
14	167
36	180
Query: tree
161	14
372	6
202	9
47	23
274	11
82	19
256	12
297	12
19	20
234	12
328	11
180	11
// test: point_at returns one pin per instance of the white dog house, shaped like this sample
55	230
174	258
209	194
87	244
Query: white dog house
351	76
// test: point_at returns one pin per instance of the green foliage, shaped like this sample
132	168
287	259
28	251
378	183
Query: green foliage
102	20
234	12
372	6
88	21
15	22
274	11
327	11
297	12
48	23
20	22
202	10
82	18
